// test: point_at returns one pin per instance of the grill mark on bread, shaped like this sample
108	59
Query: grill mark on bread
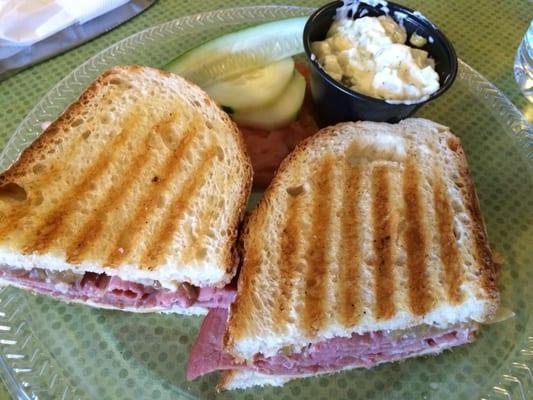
315	292
46	232
420	297
350	255
10	222
92	227
159	242
382	243
289	243
143	208
449	253
122	247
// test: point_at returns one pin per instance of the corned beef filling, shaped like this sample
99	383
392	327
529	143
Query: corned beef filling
113	291
359	350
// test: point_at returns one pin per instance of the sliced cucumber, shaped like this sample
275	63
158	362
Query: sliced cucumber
254	88
235	53
278	114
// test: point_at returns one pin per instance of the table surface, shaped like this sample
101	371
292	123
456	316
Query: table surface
474	27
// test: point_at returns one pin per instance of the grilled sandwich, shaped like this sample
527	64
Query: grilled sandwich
368	247
131	199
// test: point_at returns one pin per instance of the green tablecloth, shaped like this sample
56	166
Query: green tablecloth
485	35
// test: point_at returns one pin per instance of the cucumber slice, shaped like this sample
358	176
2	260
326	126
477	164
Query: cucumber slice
278	114
254	88
235	53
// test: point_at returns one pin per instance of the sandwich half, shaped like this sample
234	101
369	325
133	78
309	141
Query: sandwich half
130	200
367	247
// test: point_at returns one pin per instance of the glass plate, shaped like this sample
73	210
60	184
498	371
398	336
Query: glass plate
52	350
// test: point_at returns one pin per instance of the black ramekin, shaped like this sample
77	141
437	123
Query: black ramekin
335	102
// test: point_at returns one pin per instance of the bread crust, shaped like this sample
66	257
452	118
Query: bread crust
489	269
231	256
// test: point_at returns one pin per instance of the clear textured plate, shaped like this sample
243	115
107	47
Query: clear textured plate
51	350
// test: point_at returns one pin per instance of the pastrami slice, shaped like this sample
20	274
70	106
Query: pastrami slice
114	292
331	355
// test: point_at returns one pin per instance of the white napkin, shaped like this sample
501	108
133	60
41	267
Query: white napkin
24	22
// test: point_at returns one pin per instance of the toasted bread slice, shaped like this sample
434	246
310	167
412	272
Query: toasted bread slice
143	178
244	379
366	227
